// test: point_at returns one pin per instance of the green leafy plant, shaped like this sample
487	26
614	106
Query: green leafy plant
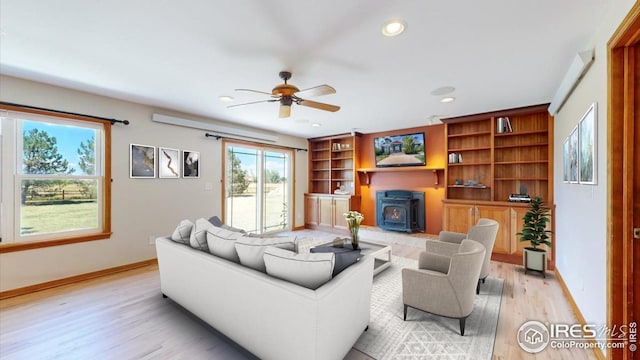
535	224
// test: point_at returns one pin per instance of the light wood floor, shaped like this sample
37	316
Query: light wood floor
123	316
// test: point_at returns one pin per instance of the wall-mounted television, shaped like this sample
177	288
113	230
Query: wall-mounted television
400	150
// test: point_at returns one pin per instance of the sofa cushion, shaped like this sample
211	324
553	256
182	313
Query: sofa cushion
251	249
182	233
198	238
308	270
221	242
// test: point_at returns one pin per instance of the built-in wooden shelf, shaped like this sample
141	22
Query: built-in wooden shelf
532	132
521	178
470	149
478	133
504	162
519	146
470	164
521	162
333	163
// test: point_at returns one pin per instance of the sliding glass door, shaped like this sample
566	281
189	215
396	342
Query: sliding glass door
258	187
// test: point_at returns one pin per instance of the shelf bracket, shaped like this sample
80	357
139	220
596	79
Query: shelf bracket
367	178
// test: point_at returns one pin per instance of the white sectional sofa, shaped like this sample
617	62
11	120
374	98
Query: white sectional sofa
270	317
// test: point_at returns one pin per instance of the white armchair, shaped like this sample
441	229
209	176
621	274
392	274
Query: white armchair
484	232
444	285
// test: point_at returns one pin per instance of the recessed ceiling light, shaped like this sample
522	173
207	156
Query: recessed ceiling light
225	98
393	27
443	90
447	99
315	125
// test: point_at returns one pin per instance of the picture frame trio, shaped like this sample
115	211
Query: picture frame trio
579	150
146	163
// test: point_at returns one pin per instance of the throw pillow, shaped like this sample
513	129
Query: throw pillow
308	270
345	256
217	222
182	233
251	249
198	238
221	242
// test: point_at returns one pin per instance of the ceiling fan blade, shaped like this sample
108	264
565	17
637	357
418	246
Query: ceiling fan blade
257	91
253	102
319	105
316	91
285	111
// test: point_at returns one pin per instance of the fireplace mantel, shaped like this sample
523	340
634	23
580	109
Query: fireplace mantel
368	172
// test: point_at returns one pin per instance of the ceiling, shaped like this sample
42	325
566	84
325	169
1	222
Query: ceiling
184	55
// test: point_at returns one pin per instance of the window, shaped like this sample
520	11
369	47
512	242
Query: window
258	187
54	186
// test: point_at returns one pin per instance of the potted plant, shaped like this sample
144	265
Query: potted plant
535	232
354	219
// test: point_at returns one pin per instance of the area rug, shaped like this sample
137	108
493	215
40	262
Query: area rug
426	336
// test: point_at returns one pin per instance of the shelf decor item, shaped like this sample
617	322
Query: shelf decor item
354	219
534	230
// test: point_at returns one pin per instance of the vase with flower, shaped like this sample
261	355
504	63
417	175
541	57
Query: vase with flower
354	219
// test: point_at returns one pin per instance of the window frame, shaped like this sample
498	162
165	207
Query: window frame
54	239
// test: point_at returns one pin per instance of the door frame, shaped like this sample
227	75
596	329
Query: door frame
623	100
262	146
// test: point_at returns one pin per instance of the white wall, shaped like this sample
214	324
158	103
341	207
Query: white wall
581	215
140	207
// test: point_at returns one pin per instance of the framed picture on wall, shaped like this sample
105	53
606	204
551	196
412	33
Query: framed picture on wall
169	163
190	164
587	146
142	161
566	158
573	156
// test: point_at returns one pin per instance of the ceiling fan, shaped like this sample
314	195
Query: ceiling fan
287	94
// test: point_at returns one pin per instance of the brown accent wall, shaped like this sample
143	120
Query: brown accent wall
419	180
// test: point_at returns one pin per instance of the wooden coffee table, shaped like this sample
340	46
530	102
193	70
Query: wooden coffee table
380	253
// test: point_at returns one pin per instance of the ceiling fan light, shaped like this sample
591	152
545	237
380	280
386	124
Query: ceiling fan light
225	98
447	99
393	27
285	111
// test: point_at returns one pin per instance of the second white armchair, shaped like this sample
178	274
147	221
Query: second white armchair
484	232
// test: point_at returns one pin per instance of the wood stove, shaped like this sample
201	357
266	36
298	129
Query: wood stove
400	210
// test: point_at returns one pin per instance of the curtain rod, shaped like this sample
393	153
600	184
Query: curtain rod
113	121
218	137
